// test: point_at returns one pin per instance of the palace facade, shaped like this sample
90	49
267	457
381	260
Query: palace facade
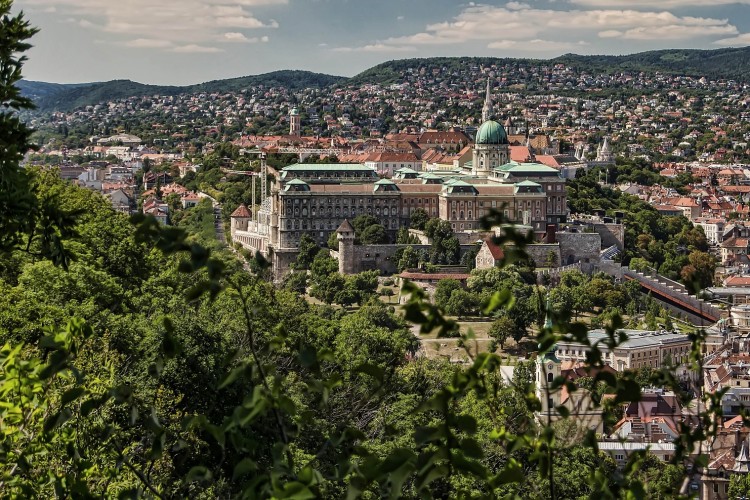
315	199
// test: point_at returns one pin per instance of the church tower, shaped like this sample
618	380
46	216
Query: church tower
491	148
487	111
604	152
294	123
548	368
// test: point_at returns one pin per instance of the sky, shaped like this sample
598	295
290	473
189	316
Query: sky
180	42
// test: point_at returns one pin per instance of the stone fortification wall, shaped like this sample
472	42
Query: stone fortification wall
540	254
380	257
611	234
579	247
569	249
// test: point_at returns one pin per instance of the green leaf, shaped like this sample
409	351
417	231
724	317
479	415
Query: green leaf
157	445
296	491
198	473
57	419
131	493
503	298
308	357
152	421
470	466
424	435
396	459
511	473
471	448
244	467
92	404
170	346
466	423
369	369
71	395
233	375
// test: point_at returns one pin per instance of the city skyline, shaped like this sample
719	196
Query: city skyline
188	42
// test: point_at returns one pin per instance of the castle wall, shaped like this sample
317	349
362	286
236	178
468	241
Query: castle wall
579	247
281	261
611	234
381	257
540	254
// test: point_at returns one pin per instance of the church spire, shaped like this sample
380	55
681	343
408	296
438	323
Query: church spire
487	108
742	462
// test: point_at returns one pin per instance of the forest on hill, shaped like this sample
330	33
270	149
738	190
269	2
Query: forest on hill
66	97
727	63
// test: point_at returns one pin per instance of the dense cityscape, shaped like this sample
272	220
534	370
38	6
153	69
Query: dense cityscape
447	277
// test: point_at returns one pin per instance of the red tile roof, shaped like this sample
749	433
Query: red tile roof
495	250
241	211
737	281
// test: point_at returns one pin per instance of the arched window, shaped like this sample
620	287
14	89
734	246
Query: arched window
550	378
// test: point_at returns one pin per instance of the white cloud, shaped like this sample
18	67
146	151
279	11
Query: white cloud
181	25
662	4
241	38
517	6
195	49
610	34
523	23
148	43
676	32
235	37
244	22
737	41
377	47
536	45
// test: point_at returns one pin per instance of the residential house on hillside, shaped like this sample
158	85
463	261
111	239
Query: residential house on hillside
156	208
735	250
120	201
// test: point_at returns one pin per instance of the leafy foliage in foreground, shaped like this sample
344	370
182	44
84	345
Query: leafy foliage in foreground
153	366
189	377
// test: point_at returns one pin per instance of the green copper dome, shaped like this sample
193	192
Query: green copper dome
491	132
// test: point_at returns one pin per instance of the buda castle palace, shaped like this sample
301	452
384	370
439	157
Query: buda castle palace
316	199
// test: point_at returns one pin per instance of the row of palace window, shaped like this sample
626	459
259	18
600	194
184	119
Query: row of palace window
339	201
340	212
292	224
293	206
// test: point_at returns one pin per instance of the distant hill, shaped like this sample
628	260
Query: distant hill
392	71
728	63
732	63
722	63
64	97
40	90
